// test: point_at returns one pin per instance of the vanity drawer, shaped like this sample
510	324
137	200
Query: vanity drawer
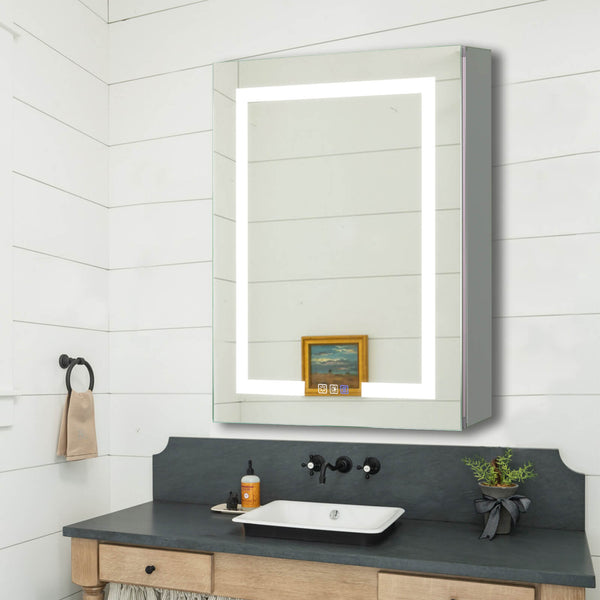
173	569
396	586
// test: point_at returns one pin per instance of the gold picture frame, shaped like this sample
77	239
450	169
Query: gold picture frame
334	366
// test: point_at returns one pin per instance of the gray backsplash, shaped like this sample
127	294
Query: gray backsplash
430	482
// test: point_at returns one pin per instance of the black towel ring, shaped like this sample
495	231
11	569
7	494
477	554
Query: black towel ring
66	362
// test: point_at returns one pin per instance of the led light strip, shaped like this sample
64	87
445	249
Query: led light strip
425	86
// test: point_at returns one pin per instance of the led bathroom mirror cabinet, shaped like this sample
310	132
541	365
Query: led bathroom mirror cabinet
352	239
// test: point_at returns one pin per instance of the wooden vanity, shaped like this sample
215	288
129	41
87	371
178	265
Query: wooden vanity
95	563
432	553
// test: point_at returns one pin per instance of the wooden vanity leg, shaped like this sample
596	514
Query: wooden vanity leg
84	568
93	593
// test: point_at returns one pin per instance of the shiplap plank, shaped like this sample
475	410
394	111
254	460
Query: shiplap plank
78	299
537	276
549	197
161	106
161	297
546	355
49	151
551	117
159	234
47	80
40	568
72	492
142	424
70	28
174	168
65	225
130	481
142	362
206	32
37	348
31	441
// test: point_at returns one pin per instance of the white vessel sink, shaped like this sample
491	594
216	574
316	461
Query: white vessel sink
288	518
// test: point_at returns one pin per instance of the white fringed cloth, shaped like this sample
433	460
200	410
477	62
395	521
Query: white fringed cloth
121	591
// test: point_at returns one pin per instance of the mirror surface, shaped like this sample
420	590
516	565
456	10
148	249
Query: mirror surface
338	213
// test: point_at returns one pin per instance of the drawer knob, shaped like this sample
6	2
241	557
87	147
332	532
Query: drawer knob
150	569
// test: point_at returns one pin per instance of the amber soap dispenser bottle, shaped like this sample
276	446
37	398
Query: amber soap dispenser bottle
250	488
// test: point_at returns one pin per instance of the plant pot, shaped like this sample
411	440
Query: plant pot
499	492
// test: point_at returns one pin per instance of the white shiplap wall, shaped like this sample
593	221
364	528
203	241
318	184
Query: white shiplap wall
6	211
546	212
60	258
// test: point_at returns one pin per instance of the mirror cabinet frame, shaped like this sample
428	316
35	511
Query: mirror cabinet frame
475	402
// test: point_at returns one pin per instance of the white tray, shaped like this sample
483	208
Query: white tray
222	508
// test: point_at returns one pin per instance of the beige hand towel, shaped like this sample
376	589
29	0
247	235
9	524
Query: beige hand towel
77	437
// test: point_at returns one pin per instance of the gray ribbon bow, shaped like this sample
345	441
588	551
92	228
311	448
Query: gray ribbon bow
514	505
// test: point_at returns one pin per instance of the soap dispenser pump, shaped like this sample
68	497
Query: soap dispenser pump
250	489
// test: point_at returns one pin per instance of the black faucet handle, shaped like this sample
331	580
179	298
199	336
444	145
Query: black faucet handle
314	464
343	464
370	466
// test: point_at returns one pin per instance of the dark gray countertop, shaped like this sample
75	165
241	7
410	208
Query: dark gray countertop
529	554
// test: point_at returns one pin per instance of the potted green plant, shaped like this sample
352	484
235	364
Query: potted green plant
498	482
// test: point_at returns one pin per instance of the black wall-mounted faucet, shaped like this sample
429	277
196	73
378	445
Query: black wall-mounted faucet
343	464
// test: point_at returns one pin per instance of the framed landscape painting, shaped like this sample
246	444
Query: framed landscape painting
334	365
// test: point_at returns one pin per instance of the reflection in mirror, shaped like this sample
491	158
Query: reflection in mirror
347	220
